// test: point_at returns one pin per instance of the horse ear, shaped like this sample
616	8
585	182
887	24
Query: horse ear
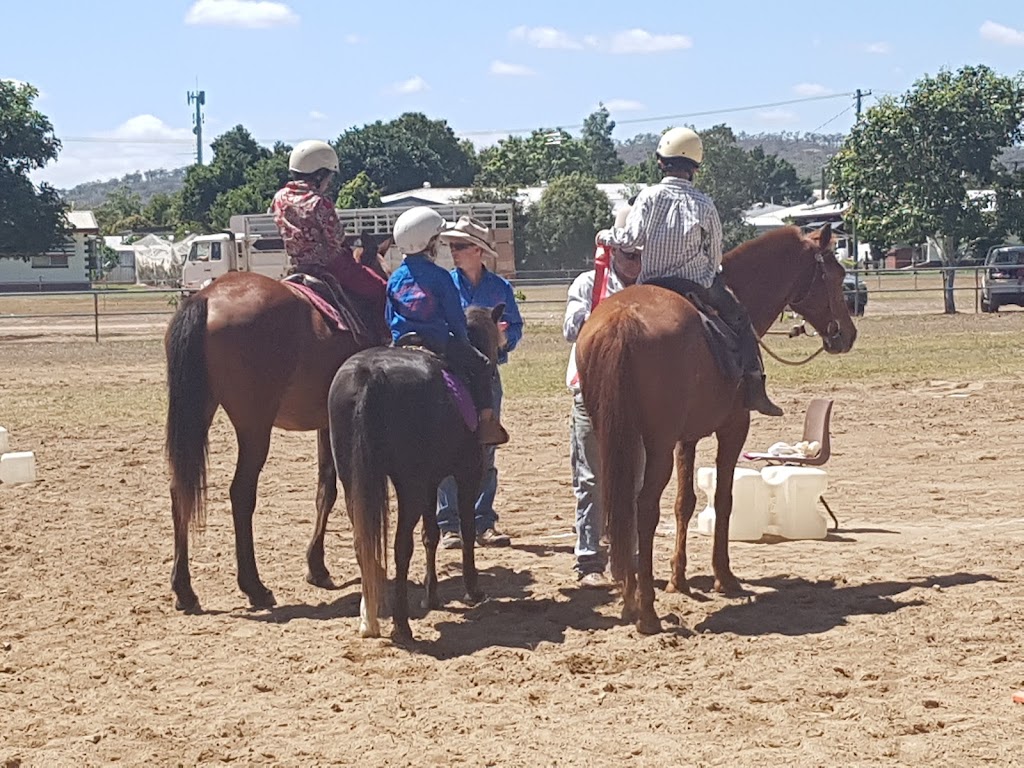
497	312
825	238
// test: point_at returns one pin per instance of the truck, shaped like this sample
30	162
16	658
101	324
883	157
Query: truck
252	242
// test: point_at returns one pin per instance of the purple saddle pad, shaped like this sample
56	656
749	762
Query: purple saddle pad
460	395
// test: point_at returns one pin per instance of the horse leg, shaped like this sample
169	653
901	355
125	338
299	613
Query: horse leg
731	437
326	496
656	476
686	502
410	503
185	598
468	484
431	536
253	446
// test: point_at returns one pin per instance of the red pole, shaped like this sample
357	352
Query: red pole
602	262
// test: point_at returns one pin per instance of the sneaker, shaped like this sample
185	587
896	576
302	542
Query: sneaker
451	540
493	538
594	580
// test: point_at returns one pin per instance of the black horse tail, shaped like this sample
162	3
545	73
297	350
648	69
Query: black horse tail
608	394
368	502
187	407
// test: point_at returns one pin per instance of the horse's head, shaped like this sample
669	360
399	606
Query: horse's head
817	292
484	331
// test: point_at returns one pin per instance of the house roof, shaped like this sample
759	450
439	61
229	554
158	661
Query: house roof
83	221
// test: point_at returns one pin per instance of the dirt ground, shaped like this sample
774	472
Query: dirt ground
896	641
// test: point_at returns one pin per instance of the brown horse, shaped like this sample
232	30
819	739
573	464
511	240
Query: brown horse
650	383
249	344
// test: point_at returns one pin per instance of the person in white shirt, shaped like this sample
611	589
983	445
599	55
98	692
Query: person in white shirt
623	271
680	232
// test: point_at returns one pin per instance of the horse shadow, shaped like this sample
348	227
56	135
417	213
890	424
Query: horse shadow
802	607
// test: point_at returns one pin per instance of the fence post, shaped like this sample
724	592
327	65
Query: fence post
96	315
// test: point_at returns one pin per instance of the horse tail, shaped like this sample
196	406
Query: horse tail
368	502
609	399
187	407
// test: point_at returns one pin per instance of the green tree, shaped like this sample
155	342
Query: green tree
158	211
727	175
562	224
261	180
776	180
122	212
406	152
907	166
544	155
605	163
359	192
234	153
32	218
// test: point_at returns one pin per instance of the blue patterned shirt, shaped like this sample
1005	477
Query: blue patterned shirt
423	299
492	291
678	227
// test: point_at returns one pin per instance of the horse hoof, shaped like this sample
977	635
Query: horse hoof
472	598
365	630
262	598
729	586
648	625
188	604
430	603
628	614
323	580
401	634
672	587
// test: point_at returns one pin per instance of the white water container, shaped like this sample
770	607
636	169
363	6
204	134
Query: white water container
796	491
18	467
749	516
5	440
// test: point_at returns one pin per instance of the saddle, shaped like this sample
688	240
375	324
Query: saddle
457	388
341	311
722	339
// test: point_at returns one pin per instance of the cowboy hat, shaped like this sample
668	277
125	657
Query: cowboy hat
471	231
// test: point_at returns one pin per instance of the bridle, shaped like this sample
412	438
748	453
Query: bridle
832	330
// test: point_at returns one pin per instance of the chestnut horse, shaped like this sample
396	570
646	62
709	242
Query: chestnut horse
651	384
249	344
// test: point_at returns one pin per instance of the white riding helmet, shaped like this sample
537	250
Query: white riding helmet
681	142
312	156
416	229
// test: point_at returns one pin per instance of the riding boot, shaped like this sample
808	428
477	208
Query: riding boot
755	397
490	431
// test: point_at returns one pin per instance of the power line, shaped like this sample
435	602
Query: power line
834	117
509	131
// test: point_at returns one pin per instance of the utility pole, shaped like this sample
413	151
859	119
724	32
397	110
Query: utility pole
854	245
199	98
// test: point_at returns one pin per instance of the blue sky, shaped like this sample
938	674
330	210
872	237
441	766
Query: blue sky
119	70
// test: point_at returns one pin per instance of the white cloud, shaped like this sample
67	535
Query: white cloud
545	37
998	33
877	48
642	41
414	84
141	143
317	115
623	105
248	14
512	70
811	89
777	116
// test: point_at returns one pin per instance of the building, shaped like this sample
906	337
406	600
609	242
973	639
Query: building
62	269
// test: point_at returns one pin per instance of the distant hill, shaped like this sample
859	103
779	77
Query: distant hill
93	194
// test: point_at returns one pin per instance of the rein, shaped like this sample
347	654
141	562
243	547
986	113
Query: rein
801	329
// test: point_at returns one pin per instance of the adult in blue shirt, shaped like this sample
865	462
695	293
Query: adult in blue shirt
422	300
470	241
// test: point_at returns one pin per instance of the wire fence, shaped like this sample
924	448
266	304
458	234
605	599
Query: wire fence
141	311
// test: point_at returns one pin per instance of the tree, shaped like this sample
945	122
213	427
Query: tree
562	224
727	175
122	212
261	180
605	163
775	180
32	218
406	152
523	162
359	192
907	166
234	153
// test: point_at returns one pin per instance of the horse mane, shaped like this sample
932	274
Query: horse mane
775	243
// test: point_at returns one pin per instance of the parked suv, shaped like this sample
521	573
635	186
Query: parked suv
1003	278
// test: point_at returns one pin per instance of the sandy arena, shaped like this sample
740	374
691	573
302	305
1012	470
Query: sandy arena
896	641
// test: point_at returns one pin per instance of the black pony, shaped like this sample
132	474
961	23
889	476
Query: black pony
393	416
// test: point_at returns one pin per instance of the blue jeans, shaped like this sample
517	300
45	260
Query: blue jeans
447	493
583	457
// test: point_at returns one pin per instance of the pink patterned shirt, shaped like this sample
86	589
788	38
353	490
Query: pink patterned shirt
308	223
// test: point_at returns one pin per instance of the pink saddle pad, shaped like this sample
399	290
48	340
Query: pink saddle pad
328	311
